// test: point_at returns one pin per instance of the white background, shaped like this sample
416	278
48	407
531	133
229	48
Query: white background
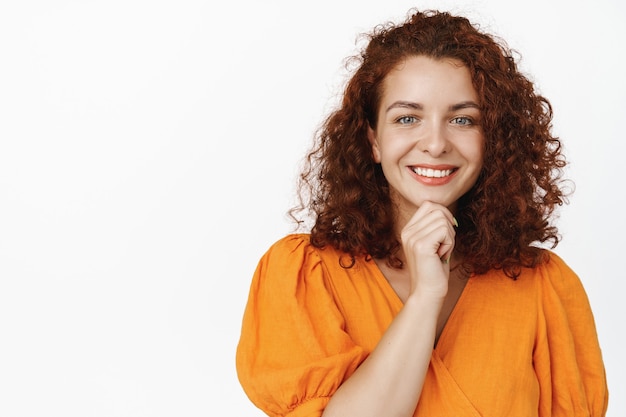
148	152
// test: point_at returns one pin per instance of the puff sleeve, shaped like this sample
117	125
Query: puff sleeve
567	358
293	352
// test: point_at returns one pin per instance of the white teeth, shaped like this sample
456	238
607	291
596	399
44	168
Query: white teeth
432	173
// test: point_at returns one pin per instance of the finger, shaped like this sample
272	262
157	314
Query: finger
433	236
428	224
445	251
429	207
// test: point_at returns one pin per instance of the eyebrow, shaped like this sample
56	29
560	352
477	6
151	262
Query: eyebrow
405	105
464	105
417	106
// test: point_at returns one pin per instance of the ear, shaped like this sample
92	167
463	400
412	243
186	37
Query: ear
371	136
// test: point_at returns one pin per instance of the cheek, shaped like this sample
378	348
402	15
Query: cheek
394	149
480	157
474	151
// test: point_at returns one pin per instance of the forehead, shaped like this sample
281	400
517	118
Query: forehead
421	78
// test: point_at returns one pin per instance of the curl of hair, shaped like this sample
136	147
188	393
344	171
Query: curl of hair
504	217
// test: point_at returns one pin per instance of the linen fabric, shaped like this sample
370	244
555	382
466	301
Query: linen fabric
525	347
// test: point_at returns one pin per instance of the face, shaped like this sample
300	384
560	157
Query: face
428	139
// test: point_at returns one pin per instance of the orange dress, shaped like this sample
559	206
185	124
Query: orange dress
525	347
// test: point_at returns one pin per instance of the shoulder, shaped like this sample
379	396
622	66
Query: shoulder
554	264
290	243
558	284
294	250
290	254
550	268
556	273
552	276
298	249
293	265
293	262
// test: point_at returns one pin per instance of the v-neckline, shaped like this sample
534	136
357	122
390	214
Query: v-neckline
391	293
454	312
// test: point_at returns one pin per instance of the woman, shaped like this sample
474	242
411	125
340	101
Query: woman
421	289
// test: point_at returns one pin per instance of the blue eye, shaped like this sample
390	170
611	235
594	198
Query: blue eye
405	120
463	121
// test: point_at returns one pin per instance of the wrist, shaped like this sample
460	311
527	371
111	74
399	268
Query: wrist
427	301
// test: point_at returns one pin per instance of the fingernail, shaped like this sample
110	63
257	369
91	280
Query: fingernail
456	223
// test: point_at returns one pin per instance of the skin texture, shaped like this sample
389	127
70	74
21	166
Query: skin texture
507	211
429	117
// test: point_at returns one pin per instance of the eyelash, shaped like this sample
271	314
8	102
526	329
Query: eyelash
403	120
468	120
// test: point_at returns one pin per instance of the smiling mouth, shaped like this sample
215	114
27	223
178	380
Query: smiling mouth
432	173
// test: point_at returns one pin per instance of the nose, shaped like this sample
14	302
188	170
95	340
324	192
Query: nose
434	142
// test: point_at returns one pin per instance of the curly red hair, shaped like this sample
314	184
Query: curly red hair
503	217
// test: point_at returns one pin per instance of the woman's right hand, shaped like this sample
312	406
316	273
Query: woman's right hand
428	241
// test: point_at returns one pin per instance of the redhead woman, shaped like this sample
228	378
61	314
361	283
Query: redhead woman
426	285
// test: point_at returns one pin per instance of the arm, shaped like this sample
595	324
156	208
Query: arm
390	380
568	360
